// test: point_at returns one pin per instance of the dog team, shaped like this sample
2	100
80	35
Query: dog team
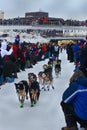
31	89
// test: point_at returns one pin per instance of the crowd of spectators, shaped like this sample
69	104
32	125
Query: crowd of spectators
39	21
77	53
20	56
74	98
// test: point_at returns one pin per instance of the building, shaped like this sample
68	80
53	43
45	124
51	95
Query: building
38	14
39	18
1	14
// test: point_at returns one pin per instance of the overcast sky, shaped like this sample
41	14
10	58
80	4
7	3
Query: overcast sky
66	9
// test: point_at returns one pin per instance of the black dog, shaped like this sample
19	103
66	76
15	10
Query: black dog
22	89
34	92
34	88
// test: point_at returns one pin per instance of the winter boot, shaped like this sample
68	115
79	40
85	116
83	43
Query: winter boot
70	128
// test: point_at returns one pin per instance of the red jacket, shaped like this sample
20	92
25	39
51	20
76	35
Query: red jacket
44	48
15	50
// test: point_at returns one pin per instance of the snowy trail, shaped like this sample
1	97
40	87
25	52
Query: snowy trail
47	114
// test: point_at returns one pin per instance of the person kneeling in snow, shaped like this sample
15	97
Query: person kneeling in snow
74	102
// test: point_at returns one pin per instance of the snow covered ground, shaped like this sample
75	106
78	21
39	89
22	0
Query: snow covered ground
33	37
47	114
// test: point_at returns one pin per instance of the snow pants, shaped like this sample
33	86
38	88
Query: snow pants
71	118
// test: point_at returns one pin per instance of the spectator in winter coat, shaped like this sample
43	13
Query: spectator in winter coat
76	49
83	56
44	49
4	49
56	50
69	51
74	102
3	53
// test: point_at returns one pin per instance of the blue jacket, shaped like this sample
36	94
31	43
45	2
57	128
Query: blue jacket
76	50
76	94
